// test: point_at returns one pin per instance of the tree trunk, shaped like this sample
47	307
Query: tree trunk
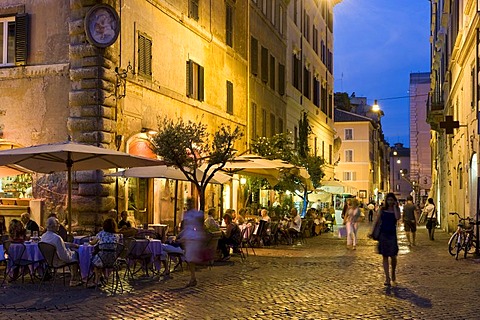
201	196
305	201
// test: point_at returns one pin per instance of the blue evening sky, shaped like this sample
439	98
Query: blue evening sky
378	43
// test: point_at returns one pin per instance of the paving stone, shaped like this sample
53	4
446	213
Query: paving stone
320	279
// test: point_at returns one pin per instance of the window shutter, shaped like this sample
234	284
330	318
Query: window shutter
229	97
264	64
141	54
272	72
201	86
254	56
189	79
21	39
229	25
281	79
148	57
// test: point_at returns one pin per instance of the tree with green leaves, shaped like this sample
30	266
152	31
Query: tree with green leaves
188	146
280	146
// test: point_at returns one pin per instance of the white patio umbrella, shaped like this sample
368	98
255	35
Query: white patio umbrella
167	172
69	156
255	165
12	170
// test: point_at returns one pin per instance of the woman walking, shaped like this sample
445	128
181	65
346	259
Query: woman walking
431	215
351	222
387	242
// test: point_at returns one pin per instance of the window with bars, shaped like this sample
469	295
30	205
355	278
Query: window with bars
229	24
144	55
13	40
229	97
348	134
272	72
254	55
193	9
264	64
195	80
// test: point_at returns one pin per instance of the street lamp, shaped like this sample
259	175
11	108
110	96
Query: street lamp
394	153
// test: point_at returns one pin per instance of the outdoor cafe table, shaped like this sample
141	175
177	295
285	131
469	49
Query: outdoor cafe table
155	247
32	253
85	252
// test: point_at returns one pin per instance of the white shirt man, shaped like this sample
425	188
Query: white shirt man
64	254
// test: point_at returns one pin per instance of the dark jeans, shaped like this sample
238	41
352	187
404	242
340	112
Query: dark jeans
224	243
431	224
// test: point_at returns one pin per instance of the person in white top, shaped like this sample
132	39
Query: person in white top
51	236
431	214
295	223
351	222
265	216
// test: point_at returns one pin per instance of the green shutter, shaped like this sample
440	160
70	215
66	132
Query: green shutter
189	79
229	97
264	64
148	57
21	39
254	56
201	85
281	79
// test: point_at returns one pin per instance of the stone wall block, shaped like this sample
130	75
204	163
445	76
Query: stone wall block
95	111
93	189
83	73
78	51
83	97
76	27
89	176
83	124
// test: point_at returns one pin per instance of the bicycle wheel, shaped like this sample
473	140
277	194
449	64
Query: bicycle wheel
452	244
460	245
467	246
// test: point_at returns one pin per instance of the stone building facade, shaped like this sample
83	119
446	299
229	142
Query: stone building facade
103	72
454	96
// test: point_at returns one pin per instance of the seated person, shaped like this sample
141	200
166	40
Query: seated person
265	216
63	253
232	236
168	248
17	231
30	225
210	224
62	231
241	216
125	226
124	223
107	235
295	223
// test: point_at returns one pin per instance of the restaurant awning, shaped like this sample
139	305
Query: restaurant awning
338	187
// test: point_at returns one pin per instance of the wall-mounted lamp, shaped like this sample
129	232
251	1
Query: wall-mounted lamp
243	181
121	83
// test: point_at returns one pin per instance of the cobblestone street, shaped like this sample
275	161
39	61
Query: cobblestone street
321	279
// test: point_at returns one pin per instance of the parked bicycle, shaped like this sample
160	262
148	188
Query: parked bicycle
463	238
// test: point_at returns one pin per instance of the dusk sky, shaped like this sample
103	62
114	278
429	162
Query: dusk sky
378	43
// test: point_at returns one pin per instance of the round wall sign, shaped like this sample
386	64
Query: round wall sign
102	25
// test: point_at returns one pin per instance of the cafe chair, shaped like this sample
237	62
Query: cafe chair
16	263
53	262
138	252
109	254
247	236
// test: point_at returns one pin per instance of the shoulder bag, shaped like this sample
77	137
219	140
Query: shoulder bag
375	234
